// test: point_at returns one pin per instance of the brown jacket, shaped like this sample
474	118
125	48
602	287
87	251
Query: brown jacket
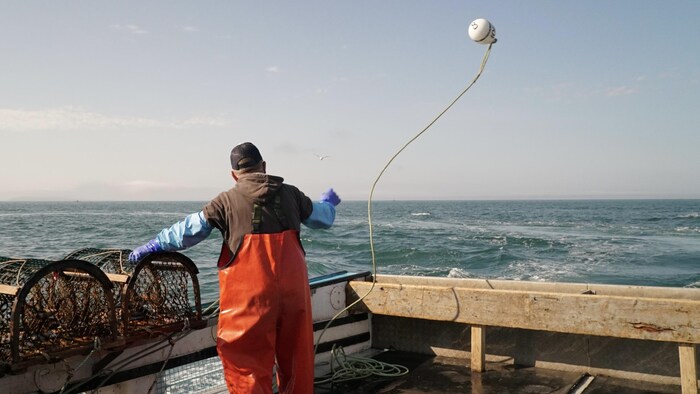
232	211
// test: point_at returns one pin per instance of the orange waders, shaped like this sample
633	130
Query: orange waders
266	312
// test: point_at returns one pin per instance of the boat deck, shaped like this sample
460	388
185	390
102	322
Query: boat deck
430	374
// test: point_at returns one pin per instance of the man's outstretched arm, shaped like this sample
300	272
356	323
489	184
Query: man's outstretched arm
188	232
323	214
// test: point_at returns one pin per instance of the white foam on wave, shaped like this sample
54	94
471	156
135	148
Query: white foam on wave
686	229
537	271
459	273
692	215
695	285
498	240
157	214
420	213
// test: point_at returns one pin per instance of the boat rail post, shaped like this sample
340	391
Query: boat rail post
688	363
478	348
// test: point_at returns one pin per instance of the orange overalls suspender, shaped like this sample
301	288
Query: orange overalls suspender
265	314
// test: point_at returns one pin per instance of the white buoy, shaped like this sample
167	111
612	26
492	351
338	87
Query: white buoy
482	31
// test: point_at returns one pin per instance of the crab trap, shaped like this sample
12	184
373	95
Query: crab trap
158	294
52	309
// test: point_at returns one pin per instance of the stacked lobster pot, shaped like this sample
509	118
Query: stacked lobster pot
158	294
53	309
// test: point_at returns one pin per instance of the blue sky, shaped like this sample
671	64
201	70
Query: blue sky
144	100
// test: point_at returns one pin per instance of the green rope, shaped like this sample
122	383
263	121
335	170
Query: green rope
345	368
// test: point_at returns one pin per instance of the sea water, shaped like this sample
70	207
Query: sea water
631	242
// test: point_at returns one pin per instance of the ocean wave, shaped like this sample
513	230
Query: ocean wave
519	241
686	229
158	214
538	271
92	213
692	215
459	273
695	285
530	242
546	223
35	214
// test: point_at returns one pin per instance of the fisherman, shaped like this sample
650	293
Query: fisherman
265	300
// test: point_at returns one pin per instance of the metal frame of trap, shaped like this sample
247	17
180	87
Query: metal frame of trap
50	310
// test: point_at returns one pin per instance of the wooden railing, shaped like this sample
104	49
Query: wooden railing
646	313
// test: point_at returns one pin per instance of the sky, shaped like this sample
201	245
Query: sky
143	100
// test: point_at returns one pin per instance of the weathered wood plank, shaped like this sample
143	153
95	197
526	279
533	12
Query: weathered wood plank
623	317
478	351
120	278
689	374
546	287
7	289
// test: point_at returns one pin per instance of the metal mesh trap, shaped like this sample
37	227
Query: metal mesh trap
159	293
114	263
51	309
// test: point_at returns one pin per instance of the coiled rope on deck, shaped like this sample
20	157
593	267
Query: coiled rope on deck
345	368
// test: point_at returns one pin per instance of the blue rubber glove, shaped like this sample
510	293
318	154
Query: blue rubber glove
330	197
144	250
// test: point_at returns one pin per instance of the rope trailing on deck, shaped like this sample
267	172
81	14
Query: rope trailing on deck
346	368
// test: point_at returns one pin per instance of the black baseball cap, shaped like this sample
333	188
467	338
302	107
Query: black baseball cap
245	155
